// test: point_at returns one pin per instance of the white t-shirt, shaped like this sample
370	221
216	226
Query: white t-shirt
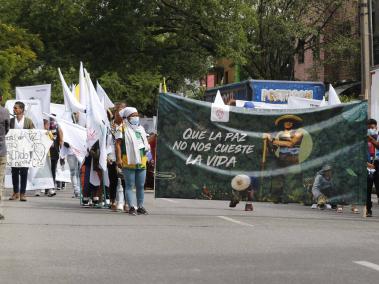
19	124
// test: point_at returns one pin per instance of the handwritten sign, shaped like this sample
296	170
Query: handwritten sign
27	148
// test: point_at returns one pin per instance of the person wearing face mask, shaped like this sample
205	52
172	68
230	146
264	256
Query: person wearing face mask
131	149
372	163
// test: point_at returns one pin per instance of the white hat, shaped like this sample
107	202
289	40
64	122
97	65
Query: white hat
240	182
126	112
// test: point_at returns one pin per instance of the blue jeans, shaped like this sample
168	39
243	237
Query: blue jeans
135	178
74	172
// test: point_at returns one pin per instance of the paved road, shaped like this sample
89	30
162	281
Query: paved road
54	240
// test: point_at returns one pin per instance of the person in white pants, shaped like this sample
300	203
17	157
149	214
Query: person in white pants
67	153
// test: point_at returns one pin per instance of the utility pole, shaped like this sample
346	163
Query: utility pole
365	52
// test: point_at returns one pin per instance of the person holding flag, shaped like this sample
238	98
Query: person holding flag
131	149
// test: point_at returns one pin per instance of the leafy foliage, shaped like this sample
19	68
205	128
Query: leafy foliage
130	45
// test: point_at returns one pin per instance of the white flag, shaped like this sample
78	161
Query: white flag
76	136
83	94
69	99
97	122
333	97
219	111
104	99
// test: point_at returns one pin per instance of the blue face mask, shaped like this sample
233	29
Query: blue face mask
134	120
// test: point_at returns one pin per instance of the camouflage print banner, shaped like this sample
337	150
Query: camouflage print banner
305	156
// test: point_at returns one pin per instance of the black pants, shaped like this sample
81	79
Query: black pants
18	173
371	180
54	164
113	180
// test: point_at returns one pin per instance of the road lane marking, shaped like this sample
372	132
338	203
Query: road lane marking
169	200
235	221
368	264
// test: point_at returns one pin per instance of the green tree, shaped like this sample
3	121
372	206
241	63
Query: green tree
17	52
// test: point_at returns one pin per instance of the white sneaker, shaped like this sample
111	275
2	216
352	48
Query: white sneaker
314	206
328	206
51	193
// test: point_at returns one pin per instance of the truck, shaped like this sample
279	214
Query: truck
267	91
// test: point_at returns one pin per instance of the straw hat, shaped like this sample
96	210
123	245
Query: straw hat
288	117
240	182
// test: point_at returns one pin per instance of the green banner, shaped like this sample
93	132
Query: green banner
301	156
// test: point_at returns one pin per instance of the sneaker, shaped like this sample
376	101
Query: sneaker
85	201
37	193
113	207
369	213
339	210
51	193
249	207
142	211
96	201
355	210
2	217
132	211
321	206
314	206
233	203
22	197
15	196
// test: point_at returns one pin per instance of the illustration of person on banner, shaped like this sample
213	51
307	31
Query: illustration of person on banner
285	148
19	173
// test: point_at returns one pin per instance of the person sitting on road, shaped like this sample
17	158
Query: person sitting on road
324	192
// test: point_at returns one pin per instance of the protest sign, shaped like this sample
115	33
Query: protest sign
38	178
27	148
37	92
282	150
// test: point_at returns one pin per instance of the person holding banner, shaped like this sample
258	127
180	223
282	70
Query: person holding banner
19	173
4	128
131	149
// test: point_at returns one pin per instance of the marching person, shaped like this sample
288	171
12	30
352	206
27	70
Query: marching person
55	134
18	173
4	128
131	149
114	173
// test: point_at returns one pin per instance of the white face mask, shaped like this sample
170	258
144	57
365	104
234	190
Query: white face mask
372	132
134	120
